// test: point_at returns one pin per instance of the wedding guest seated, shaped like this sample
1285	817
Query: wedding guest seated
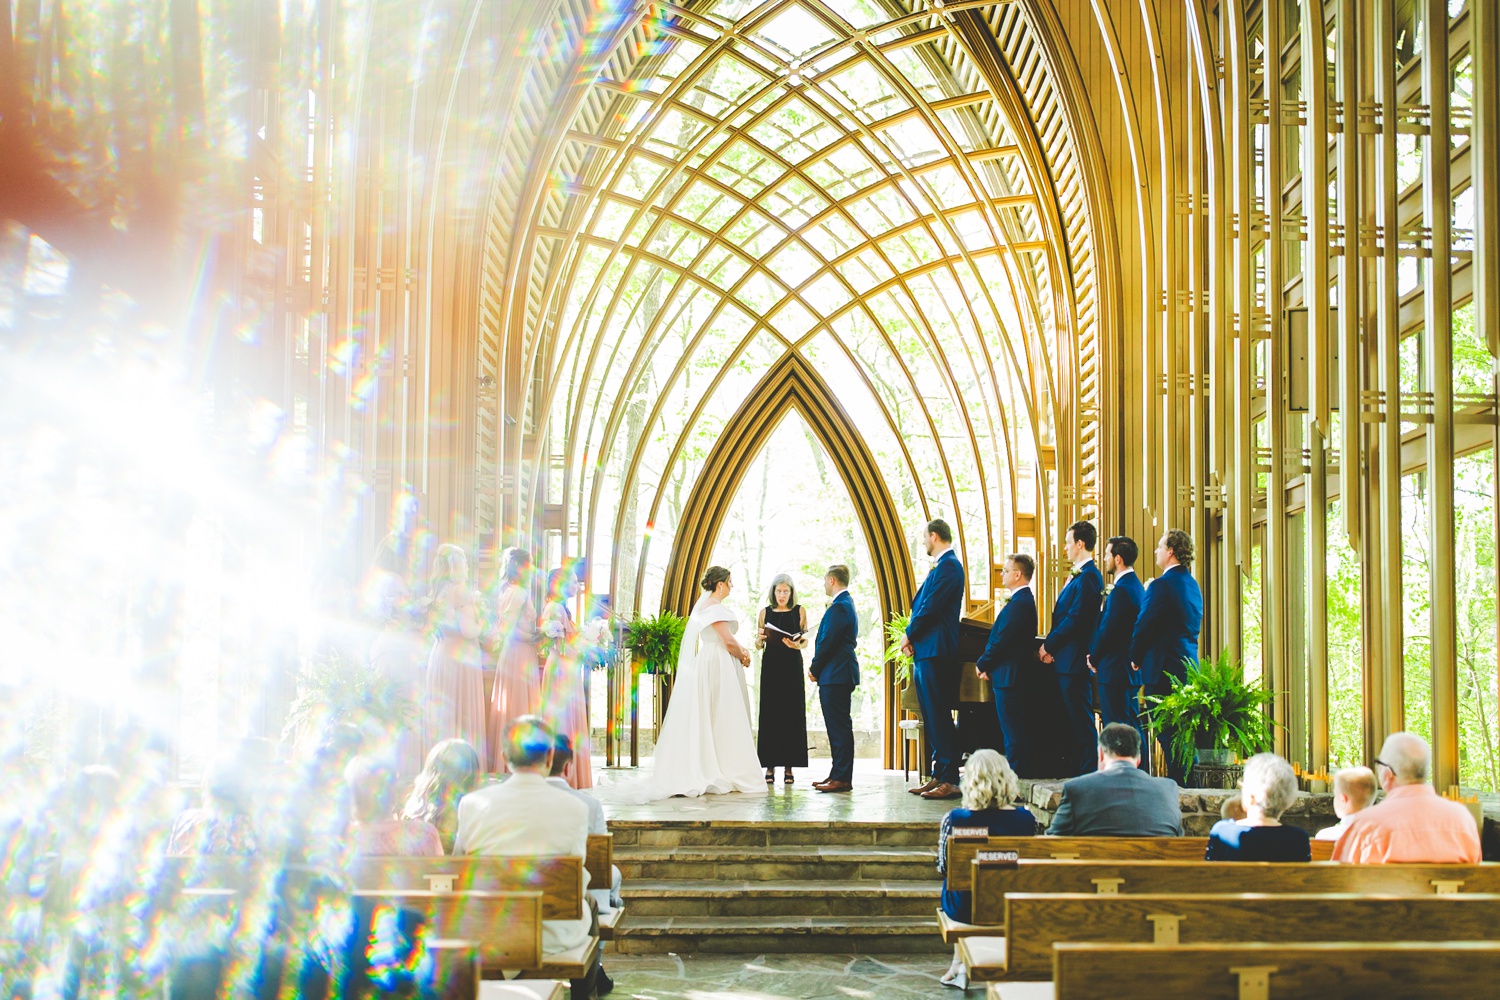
1118	799
1232	808
1353	789
527	816
375	830
1268	789
989	790
1412	824
450	773
222	824
608	897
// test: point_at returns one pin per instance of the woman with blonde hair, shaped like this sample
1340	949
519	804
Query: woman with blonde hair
454	707
565	702
989	788
518	668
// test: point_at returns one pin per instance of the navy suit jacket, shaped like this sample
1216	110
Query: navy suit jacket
933	629
1074	617
1110	649
834	661
1012	645
1166	633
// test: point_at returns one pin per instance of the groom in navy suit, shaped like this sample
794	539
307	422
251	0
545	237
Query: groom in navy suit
1074	617
932	643
1109	653
1009	652
1166	633
836	669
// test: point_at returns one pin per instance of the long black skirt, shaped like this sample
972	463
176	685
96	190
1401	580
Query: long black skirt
782	739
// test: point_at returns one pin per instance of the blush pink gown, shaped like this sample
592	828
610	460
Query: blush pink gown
518	671
454	707
564	691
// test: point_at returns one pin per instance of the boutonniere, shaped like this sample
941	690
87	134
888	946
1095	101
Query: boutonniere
1074	572
1107	588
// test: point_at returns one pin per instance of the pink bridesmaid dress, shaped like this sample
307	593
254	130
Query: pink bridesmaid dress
518	671
455	707
564	690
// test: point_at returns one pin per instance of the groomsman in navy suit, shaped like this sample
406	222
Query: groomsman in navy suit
1166	633
835	668
1109	654
1074	617
1009	652
932	643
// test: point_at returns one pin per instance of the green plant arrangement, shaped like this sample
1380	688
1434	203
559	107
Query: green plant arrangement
332	690
1214	708
895	635
654	642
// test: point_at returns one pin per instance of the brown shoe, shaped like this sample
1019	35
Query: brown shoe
835	786
820	784
924	789
943	791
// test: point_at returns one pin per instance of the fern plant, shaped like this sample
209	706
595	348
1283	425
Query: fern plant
1214	708
895	635
332	689
655	642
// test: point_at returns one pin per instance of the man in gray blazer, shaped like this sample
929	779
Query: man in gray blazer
1119	799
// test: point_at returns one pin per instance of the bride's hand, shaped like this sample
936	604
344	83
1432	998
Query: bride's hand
744	657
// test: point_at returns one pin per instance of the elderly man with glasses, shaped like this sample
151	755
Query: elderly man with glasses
1412	824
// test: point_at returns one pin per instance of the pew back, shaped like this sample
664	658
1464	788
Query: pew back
961	851
993	882
507	926
558	879
599	860
1035	922
1391	970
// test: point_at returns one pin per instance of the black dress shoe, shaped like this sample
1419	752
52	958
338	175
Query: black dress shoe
603	985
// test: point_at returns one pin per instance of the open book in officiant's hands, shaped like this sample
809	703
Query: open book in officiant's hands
781	631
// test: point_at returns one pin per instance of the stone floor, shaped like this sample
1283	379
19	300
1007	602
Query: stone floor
777	977
879	796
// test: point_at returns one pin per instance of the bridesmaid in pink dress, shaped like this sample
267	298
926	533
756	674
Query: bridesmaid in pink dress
564	691
455	707
518	674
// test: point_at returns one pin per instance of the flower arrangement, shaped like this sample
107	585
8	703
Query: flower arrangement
1215	708
598	638
655	642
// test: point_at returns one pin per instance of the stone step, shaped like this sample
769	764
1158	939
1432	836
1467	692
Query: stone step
786	862
720	833
833	935
780	899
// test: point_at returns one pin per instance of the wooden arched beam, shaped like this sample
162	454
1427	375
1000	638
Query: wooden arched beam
790	384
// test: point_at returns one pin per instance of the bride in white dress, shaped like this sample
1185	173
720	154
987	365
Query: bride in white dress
705	745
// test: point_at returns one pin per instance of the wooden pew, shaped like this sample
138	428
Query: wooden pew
453	973
599	863
1035	922
1389	970
961	852
992	883
558	879
506	925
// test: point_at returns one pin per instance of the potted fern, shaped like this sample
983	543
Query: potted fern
654	644
1214	714
332	689
895	635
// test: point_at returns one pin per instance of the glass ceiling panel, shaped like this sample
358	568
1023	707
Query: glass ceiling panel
806	202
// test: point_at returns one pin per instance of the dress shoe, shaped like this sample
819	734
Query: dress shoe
942	791
924	789
603	985
820	784
836	786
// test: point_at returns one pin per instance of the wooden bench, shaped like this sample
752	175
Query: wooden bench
1035	922
1389	970
452	972
600	864
558	879
993	882
961	852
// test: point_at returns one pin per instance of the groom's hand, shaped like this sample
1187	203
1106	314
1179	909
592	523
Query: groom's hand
811	677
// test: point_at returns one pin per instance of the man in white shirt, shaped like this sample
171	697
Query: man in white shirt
1353	790
608	897
527	817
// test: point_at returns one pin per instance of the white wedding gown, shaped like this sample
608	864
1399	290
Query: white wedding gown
705	745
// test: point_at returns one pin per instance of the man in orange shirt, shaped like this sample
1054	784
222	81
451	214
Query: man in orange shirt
1412	824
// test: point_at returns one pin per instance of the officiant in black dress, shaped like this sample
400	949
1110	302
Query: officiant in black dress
782	737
